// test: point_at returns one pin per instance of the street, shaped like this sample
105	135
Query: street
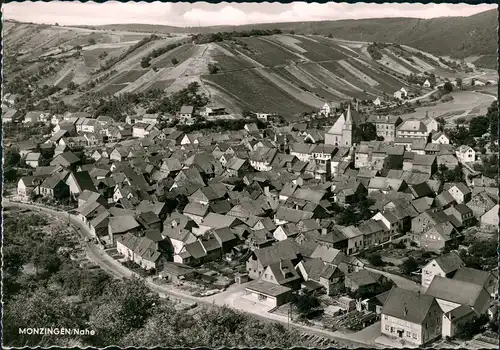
230	297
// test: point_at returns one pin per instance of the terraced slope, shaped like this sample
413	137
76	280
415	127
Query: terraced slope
286	74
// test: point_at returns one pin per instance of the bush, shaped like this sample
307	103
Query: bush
212	68
474	326
409	265
174	61
375	259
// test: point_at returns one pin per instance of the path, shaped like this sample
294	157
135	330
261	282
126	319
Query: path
400	281
226	298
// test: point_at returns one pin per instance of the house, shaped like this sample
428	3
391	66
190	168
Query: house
141	130
329	108
79	182
412	129
401	94
282	273
444	266
151	118
35	117
461	193
426	83
365	282
226	238
385	126
440	138
489	220
196	211
439	237
486	279
121	225
176	272
143	250
186	114
54	187
424	164
377	102
32	159
411	316
481	202
238	167
26	186
465	154
327	276
464	217
451	294
66	160
260	259
10	115
270	294
427	220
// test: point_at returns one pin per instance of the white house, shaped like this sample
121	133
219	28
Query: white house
443	266
401	94
427	83
465	154
377	102
440	138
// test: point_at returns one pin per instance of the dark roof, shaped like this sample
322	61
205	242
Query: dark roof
449	262
407	305
470	275
84	181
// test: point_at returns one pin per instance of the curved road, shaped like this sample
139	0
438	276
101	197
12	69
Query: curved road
226	298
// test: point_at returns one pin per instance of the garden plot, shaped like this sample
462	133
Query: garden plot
385	81
160	85
318	52
424	65
113	89
65	78
402	62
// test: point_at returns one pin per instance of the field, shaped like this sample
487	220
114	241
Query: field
180	53
112	88
161	85
257	92
464	104
231	63
318	52
266	53
129	76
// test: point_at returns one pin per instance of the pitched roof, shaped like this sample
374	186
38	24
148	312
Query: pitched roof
407	305
292	215
455	291
449	262
281	250
122	224
474	276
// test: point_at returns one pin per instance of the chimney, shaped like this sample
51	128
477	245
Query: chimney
406	311
426	114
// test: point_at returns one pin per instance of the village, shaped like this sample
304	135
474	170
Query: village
367	222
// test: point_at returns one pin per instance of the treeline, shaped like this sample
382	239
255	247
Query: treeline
112	61
146	61
374	50
58	293
221	36
188	96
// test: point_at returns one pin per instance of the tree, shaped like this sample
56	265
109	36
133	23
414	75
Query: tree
78	48
494	320
375	259
441	123
448	87
471	327
459	82
12	157
479	126
91	41
365	132
212	68
409	265
174	61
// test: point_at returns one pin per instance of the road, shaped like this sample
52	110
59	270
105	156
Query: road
227	298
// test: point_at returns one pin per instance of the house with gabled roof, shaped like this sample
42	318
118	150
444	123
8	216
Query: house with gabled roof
461	193
54	187
414	317
444	266
79	182
260	259
451	294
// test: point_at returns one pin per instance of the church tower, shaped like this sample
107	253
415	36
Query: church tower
347	129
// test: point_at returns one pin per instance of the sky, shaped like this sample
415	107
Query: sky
205	14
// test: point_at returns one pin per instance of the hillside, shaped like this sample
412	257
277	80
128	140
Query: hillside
458	37
281	73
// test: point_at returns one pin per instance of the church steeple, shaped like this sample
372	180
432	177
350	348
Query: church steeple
347	129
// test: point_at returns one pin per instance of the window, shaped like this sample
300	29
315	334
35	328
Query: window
414	335
386	318
408	334
386	327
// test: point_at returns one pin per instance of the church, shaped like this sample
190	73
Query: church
340	134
